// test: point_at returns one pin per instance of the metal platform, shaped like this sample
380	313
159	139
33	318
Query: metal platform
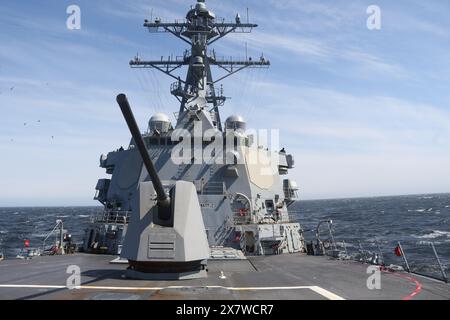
284	277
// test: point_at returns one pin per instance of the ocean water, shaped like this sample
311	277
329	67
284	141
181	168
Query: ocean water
34	224
378	224
375	224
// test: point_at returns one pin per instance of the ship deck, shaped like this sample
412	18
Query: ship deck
283	277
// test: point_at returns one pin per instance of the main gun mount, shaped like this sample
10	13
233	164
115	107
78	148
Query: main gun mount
162	198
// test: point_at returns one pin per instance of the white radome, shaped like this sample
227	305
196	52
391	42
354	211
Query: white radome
235	122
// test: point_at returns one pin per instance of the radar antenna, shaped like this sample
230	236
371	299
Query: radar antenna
200	29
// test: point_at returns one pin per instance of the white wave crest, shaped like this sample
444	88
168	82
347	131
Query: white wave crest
435	234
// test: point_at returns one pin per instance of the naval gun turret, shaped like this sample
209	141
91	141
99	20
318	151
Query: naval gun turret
166	237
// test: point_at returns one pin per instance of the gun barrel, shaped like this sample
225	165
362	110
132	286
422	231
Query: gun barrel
122	100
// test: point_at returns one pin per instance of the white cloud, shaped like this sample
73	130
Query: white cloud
345	143
365	124
322	175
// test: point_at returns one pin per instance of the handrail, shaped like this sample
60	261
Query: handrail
379	253
239	219
116	216
59	223
444	275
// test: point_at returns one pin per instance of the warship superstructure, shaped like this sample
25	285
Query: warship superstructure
186	228
243	196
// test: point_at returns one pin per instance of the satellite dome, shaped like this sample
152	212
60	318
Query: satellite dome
160	117
235	122
200	10
160	122
200	6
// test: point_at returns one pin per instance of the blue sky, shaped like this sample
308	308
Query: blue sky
364	112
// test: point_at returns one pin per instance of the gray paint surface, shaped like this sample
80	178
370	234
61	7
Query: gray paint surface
241	207
344	278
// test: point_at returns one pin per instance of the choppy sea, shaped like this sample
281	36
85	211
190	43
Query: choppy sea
374	224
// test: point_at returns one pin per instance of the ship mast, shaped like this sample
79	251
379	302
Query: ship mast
200	29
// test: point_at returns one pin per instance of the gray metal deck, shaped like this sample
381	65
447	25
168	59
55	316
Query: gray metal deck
281	277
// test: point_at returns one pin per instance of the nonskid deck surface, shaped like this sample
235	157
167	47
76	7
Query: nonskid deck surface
275	277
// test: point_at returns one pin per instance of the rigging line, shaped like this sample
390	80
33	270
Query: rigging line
160	94
245	91
244	78
249	79
246	100
147	94
259	99
251	92
167	98
150	90
151	82
158	89
255	87
151	78
141	84
253	97
236	91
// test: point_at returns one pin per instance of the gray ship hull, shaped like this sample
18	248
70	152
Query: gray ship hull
283	277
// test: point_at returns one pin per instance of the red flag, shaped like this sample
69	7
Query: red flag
27	243
237	237
398	251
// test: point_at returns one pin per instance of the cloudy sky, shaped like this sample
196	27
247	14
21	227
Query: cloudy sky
365	113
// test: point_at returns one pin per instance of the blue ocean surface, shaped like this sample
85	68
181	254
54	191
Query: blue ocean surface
378	224
375	224
34	224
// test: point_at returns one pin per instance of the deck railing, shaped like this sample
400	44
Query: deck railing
418	257
117	217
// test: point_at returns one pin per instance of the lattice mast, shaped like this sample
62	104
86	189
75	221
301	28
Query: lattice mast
200	29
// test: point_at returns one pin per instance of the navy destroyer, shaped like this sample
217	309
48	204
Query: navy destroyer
199	209
242	206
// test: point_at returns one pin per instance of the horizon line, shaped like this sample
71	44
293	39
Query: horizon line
318	199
